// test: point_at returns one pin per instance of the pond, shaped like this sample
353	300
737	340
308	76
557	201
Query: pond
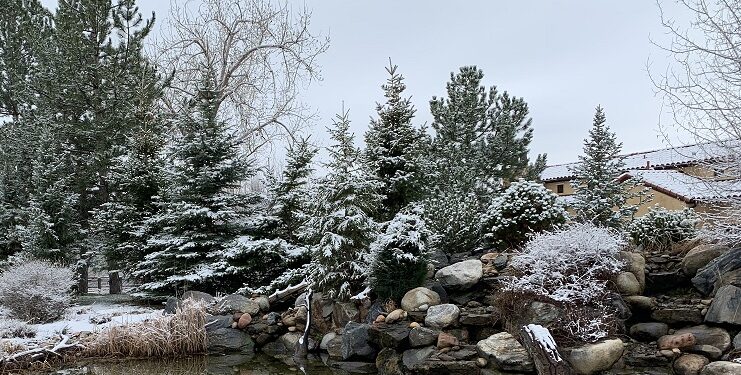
259	364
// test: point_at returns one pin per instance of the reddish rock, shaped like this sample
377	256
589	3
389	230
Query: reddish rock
680	341
244	321
446	340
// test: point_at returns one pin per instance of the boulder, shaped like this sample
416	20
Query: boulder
707	351
723	270
228	340
417	297
635	263
244	320
334	346
628	284
441	316
713	336
413	358
171	306
593	358
676	341
678	315
197	296
389	335
721	368
272	318
700	256
737	342
263	302
690	364
237	303
446	340
344	312
505	353
389	362
355	342
324	344
641	303
422	336
460	276
726	306
214	322
395	316
648	332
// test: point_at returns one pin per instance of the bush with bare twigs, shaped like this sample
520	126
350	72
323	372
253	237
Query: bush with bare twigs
35	290
167	336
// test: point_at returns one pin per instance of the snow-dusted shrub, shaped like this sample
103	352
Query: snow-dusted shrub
399	255
524	208
570	268
35	290
659	228
13	328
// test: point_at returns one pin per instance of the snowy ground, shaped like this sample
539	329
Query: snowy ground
90	314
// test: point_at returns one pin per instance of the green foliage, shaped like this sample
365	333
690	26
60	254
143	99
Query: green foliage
482	142
659	228
523	209
599	197
291	196
399	255
342	227
394	149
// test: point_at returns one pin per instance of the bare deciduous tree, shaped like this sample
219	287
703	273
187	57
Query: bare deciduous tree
261	53
701	91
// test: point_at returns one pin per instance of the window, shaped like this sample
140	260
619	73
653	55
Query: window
559	189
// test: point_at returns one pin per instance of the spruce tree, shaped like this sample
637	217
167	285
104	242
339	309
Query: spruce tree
201	213
393	149
399	255
481	144
599	197
343	227
291	196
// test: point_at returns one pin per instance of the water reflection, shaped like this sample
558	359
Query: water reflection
211	365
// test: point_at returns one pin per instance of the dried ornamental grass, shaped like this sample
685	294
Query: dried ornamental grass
180	334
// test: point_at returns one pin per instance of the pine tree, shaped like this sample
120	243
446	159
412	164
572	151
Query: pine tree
291	205
201	214
481	144
399	255
343	227
393	149
599	197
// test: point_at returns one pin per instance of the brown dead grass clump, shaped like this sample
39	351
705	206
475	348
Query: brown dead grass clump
180	334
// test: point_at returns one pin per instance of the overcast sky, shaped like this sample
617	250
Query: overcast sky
563	57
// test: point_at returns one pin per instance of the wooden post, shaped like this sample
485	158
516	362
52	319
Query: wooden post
100	285
114	282
82	274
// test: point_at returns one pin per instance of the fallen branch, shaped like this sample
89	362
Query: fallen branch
544	351
27	358
281	295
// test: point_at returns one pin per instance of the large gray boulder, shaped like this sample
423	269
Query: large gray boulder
197	296
441	316
628	284
723	270
689	364
505	353
229	340
722	368
648	332
700	256
233	303
413	358
422	336
593	358
344	312
462	275
419	297
355	342
737	342
726	306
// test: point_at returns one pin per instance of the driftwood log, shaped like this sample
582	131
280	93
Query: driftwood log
28	358
284	294
541	346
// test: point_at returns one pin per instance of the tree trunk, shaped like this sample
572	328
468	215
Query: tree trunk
114	282
82	274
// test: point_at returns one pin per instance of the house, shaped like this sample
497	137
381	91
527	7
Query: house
678	177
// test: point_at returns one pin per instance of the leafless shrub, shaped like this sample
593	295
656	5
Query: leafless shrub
35	290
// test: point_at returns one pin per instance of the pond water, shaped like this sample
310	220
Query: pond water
211	365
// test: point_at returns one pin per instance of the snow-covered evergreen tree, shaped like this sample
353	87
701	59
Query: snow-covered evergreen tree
481	143
394	149
399	255
201	213
343	227
291	196
523	209
599	197
120	224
